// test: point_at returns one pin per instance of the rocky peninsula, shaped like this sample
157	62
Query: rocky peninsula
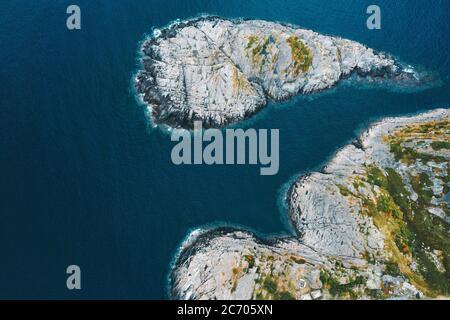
221	71
373	224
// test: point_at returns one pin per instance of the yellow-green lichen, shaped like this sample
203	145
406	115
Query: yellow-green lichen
258	47
436	132
351	289
301	55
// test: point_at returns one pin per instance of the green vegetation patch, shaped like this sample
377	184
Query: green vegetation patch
258	47
422	184
420	132
409	155
439	145
392	269
341	290
344	190
409	229
251	260
301	55
375	176
272	289
251	41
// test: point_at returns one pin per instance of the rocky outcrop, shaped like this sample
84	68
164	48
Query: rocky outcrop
373	223
231	264
221	71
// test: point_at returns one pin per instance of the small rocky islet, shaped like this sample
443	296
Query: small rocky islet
373	224
221	71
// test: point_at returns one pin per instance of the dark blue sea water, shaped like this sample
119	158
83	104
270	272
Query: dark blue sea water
84	180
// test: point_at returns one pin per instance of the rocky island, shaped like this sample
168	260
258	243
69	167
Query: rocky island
373	224
221	71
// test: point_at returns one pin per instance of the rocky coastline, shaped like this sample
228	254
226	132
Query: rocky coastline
373	224
222	71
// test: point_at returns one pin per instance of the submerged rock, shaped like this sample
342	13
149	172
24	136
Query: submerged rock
221	71
361	234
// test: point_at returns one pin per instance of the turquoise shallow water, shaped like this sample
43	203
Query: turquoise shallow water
84	179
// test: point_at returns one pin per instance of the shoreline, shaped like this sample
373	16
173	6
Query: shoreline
261	86
367	137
